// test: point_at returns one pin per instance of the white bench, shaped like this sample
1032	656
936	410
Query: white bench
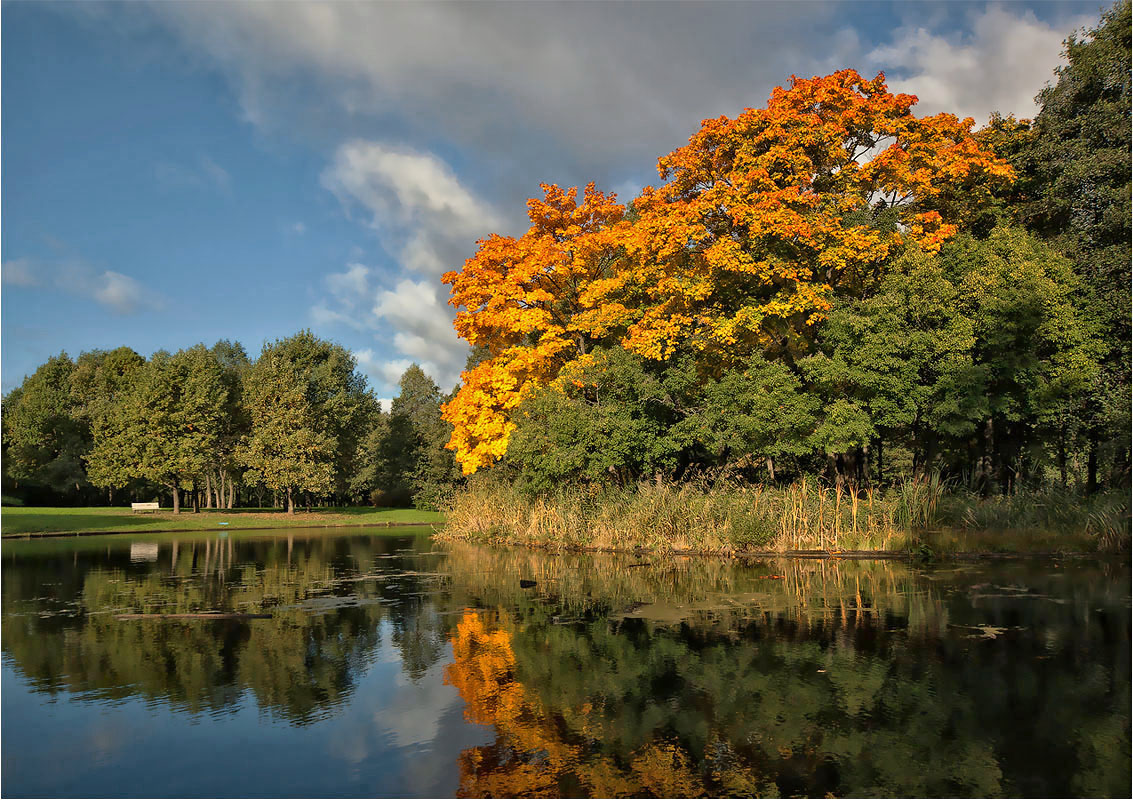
136	507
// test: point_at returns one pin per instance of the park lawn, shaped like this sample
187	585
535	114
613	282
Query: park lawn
16	521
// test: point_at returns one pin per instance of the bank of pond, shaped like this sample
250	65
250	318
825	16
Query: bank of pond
387	663
918	518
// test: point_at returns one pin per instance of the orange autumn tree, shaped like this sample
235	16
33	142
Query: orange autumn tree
763	221
485	670
767	216
520	300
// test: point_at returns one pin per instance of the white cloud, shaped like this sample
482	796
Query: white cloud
350	296
572	91
120	293
999	64
18	272
349	285
424	332
417	205
413	319
217	174
201	174
299	228
430	222
577	83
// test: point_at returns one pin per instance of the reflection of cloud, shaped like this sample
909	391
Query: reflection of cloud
413	718
409	732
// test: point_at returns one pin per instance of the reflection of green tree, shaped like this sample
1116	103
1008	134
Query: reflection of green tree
302	661
693	676
851	679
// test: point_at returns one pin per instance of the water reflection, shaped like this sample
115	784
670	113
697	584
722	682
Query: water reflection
610	676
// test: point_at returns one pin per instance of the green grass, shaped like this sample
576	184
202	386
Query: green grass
19	521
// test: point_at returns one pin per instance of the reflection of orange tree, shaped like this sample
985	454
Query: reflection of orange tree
542	753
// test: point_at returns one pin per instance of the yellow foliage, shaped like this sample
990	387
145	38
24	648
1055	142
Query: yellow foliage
763	220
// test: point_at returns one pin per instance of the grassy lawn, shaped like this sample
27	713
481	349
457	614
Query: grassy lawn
16	521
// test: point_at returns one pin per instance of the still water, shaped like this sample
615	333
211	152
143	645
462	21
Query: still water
392	666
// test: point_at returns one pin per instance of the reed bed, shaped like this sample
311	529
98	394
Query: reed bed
916	515
675	518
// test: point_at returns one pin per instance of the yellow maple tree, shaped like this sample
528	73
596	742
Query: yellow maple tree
765	217
520	299
763	220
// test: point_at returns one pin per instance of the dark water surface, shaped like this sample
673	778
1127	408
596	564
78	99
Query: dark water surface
393	666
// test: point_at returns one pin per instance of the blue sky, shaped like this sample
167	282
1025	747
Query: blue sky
185	172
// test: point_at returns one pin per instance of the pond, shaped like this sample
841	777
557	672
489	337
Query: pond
382	664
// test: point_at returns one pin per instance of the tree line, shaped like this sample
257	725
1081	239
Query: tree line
828	285
296	425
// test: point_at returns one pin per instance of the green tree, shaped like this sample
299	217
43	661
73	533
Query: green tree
1076	170
304	402
1040	353
896	367
366	464
974	359
98	383
166	427
757	414
414	463
613	418
44	440
221	481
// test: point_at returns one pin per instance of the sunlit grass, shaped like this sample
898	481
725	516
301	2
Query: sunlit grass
918	516
19	521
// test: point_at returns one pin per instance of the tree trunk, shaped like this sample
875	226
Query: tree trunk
880	463
290	502
834	463
176	500
196	499
208	490
1092	464
1062	454
231	492
985	459
771	468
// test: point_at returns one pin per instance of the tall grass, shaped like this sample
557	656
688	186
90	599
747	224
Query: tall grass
1103	519
804	515
667	518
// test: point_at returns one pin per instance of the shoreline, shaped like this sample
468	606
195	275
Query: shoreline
59	534
826	555
659	556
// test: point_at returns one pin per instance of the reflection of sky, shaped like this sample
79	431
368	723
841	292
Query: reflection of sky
393	737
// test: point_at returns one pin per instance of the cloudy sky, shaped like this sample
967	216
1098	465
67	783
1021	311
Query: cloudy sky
177	173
